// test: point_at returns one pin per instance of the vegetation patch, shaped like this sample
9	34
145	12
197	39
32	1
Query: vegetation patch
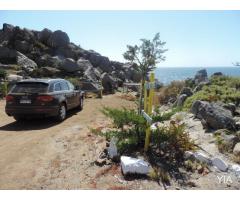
224	88
171	91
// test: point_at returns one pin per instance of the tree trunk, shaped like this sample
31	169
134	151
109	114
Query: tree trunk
141	96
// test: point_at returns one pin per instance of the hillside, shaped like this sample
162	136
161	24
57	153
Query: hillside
46	53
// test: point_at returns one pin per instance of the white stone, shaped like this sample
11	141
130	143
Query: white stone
236	169
202	157
112	149
153	127
220	164
188	154
134	166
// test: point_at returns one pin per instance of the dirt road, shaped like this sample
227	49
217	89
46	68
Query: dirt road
40	154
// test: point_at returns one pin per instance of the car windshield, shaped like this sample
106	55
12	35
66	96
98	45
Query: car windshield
30	87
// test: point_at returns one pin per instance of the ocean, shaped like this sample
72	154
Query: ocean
168	74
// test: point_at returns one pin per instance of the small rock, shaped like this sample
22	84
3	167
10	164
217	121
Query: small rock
236	149
188	154
220	164
112	149
202	157
236	169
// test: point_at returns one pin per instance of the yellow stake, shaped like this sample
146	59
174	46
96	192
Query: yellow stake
149	103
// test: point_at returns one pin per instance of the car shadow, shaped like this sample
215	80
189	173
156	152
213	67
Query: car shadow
39	123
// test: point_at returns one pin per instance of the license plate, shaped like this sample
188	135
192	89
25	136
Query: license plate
25	101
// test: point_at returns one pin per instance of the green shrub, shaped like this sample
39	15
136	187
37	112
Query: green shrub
159	117
3	90
131	128
223	88
74	81
172	141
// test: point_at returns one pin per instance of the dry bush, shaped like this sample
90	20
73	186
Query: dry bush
169	92
128	97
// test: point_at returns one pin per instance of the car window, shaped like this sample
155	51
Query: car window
30	87
64	86
57	87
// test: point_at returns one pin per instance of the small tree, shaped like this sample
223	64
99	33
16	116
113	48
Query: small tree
146	56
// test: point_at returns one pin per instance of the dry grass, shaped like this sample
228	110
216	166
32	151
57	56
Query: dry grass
128	97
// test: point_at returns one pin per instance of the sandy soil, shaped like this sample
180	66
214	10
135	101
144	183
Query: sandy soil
41	154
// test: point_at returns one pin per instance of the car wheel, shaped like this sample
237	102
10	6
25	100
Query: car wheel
62	112
19	118
80	107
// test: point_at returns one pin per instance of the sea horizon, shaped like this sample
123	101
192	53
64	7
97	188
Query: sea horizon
168	74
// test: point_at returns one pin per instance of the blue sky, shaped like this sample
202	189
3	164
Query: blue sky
194	38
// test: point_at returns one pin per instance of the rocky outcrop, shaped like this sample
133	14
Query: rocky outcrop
27	64
215	116
70	65
43	53
201	76
58	39
108	83
180	100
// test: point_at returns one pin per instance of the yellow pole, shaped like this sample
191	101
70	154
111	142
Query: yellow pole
149	110
145	97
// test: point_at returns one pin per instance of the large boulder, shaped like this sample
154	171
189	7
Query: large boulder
84	64
92	74
217	74
58	39
181	99
108	82
69	51
49	71
100	61
201	76
91	86
23	46
26	63
215	116
49	61
70	65
44	35
7	32
7	55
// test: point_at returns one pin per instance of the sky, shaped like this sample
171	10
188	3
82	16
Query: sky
193	38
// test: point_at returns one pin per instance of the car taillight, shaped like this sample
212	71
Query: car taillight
45	98
9	98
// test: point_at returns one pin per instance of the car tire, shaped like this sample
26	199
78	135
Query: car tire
62	113
80	106
19	118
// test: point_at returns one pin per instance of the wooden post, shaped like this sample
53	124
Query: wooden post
148	102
